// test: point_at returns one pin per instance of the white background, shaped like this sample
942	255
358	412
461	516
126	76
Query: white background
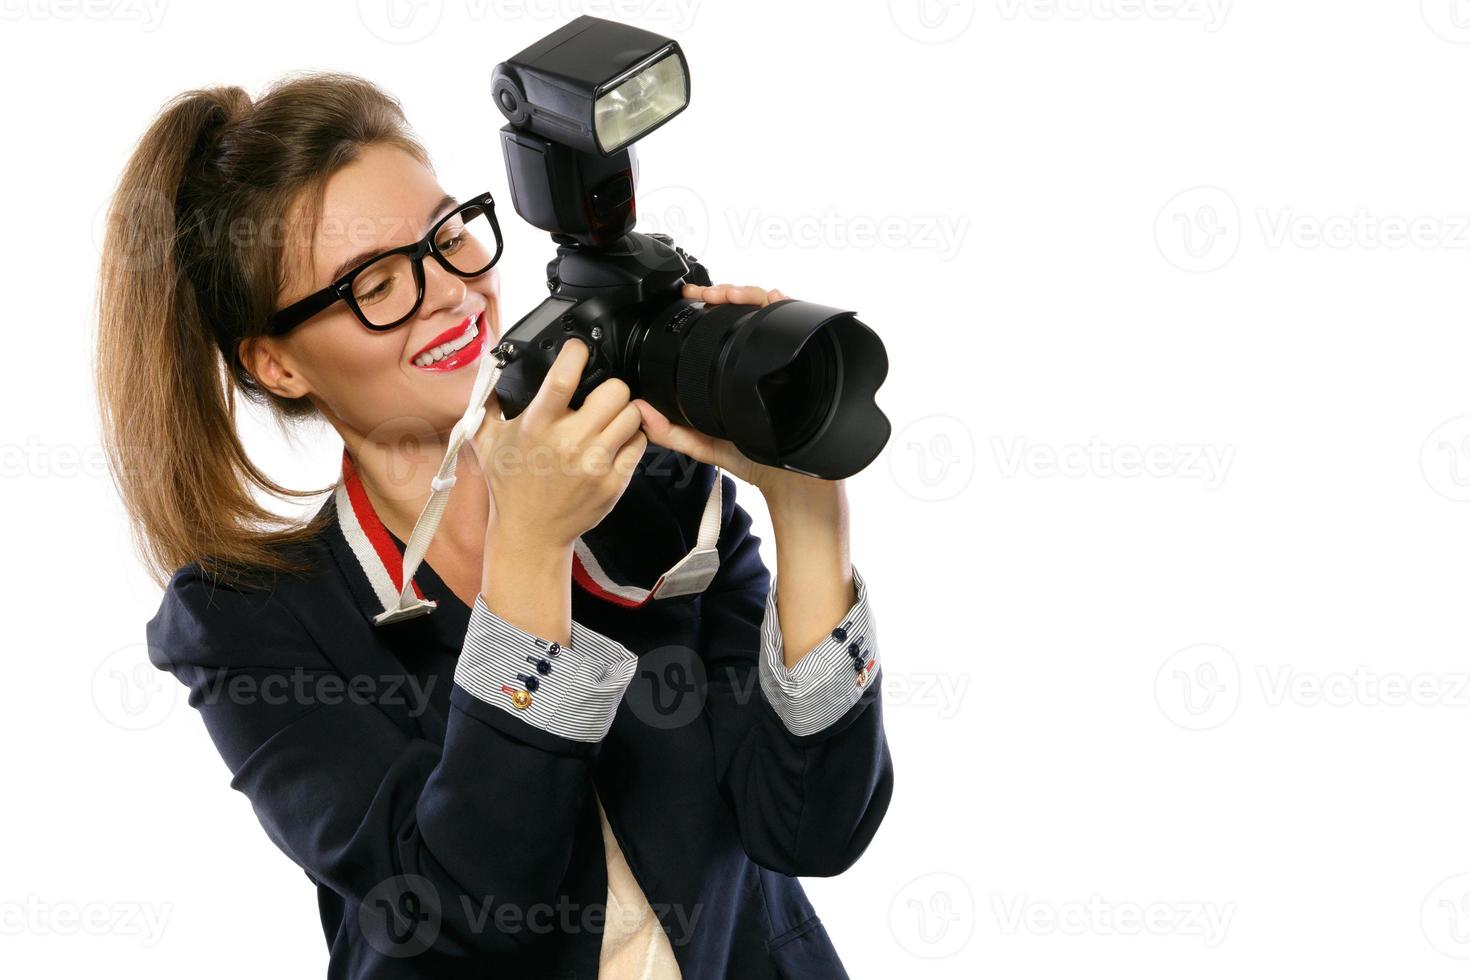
1166	549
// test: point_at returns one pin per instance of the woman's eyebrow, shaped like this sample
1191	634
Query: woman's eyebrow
445	203
435	213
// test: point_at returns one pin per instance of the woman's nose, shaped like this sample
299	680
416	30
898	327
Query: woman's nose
442	289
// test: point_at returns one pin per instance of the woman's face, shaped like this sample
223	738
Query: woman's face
366	382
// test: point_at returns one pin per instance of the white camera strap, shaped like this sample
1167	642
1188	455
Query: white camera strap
690	574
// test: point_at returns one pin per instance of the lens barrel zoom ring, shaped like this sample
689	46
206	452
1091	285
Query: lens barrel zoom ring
695	374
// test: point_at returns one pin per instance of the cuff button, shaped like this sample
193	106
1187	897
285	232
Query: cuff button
839	634
862	677
521	699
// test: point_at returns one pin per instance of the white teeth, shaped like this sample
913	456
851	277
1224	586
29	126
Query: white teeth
444	350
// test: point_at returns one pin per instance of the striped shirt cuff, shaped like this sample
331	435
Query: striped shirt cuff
572	691
830	678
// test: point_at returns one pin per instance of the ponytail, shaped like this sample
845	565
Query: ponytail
179	290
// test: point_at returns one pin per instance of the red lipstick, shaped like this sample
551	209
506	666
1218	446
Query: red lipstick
474	323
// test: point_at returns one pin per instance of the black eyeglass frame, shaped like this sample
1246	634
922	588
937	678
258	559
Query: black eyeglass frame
292	316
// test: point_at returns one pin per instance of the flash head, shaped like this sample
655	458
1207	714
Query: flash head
594	85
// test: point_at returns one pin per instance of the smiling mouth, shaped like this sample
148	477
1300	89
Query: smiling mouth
455	348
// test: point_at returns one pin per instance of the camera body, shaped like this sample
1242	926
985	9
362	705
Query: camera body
609	300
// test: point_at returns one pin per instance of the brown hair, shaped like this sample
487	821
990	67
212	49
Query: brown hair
193	261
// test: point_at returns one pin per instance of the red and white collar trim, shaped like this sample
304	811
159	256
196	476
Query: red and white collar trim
382	562
370	541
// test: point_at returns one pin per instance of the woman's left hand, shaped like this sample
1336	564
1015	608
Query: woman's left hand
722	452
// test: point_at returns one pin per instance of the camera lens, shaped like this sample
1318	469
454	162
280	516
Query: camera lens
791	384
799	397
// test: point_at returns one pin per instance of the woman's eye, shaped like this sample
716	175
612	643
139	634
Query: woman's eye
451	245
374	292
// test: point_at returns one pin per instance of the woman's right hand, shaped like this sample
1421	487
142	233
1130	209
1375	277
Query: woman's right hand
555	472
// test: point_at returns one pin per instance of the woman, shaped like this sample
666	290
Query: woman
500	787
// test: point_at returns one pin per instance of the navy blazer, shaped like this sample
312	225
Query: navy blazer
449	837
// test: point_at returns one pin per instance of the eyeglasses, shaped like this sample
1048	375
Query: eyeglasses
388	289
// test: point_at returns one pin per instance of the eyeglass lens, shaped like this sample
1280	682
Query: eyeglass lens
387	290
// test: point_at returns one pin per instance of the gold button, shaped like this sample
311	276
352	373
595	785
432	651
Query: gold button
521	699
862	677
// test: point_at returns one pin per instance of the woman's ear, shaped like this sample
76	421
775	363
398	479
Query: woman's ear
262	357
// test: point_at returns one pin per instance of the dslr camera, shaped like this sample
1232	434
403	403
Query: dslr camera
791	384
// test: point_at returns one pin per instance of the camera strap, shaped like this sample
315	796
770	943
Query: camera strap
690	574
